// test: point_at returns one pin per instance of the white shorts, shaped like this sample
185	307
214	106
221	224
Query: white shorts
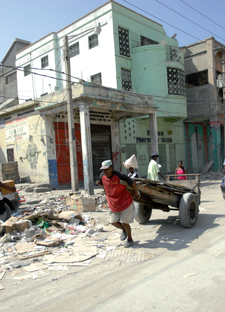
125	216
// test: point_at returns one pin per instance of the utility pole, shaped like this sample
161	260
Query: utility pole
71	129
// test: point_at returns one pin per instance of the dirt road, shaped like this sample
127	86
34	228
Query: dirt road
170	268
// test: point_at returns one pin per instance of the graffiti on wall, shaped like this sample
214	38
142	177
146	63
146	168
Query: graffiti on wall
32	153
16	129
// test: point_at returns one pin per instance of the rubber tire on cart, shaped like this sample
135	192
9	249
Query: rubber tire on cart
5	216
142	213
188	210
223	195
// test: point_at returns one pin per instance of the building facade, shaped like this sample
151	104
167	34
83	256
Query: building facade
8	74
131	53
38	133
204	127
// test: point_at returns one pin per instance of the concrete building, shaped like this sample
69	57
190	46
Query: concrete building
8	75
132	53
204	127
37	131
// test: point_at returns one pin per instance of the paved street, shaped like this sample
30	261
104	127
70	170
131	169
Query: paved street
170	268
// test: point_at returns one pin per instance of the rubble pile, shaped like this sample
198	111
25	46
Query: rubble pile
212	176
54	235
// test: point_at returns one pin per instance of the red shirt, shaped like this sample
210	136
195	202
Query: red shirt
118	197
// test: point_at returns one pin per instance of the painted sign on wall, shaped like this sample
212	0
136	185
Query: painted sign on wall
16	129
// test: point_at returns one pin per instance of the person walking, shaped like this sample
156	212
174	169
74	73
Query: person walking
120	201
180	170
153	169
132	174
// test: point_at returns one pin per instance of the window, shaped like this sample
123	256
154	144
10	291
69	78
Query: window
10	78
44	61
93	41
176	81
147	41
97	79
197	79
10	154
124	42
27	70
74	49
126	79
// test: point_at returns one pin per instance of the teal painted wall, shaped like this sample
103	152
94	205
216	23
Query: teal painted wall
149	75
135	139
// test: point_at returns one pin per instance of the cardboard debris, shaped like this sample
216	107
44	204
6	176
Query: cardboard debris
48	242
35	267
67	259
35	255
10	183
84	204
24	247
10	224
68	215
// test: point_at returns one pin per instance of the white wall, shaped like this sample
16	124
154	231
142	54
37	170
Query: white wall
99	59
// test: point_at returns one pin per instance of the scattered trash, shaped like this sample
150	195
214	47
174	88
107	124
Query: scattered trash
53	234
189	275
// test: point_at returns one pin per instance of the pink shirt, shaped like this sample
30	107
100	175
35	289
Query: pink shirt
181	171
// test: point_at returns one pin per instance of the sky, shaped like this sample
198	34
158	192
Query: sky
31	20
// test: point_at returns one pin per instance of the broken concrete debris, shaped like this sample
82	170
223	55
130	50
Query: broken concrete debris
212	176
54	234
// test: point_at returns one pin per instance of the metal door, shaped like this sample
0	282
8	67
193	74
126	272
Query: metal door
63	153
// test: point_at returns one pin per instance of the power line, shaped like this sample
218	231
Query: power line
188	19
162	20
202	14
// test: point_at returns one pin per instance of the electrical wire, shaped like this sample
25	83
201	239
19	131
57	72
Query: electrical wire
162	20
202	14
222	47
188	19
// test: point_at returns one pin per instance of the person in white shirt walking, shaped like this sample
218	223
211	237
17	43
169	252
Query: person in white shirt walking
153	169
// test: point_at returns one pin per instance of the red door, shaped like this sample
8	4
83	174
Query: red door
63	152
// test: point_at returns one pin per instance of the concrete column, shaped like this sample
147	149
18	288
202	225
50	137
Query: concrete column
86	149
115	141
153	133
216	146
216	142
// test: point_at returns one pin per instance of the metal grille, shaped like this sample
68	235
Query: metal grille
126	79
74	49
10	78
97	79
44	61
147	41
27	70
176	81
93	41
124	42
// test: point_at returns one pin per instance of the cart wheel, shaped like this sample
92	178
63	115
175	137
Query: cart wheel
142	213
188	210
223	195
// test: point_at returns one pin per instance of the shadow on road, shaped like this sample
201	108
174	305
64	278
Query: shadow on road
203	184
172	236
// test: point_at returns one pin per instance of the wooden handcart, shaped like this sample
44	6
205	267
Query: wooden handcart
181	195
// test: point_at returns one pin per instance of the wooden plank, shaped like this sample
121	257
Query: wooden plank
155	195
